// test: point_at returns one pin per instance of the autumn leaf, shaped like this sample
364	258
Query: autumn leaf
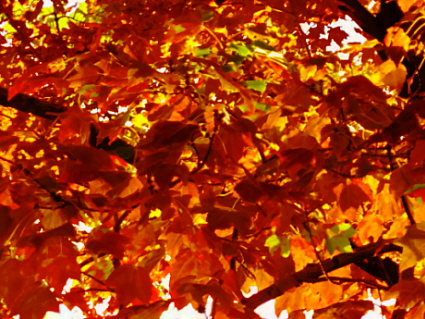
131	282
190	152
338	238
348	310
34	302
12	280
408	292
412	244
352	196
109	242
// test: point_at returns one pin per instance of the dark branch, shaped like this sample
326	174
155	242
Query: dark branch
29	104
364	19
377	26
97	280
314	271
119	221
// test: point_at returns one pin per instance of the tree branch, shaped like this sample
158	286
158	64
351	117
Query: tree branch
30	104
365	19
313	271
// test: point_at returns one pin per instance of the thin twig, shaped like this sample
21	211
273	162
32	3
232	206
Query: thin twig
342	174
90	260
214	36
316	251
56	20
120	220
97	280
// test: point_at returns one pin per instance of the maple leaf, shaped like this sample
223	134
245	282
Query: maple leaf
34	302
131	282
224	145
413	245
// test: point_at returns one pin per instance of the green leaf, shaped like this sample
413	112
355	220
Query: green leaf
263	107
202	52
346	229
256	85
242	50
179	28
285	247
237	59
339	243
242	107
341	240
87	88
228	68
415	188
207	16
272	241
263	45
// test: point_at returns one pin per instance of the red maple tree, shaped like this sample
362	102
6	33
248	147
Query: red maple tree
220	143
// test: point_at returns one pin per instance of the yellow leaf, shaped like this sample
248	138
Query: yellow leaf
390	74
308	72
140	120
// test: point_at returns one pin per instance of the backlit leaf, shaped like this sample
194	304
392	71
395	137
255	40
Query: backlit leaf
256	85
352	196
34	302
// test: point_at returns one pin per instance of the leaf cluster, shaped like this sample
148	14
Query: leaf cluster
217	145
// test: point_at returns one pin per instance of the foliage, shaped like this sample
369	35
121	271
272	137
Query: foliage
223	144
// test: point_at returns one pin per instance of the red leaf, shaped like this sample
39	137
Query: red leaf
35	302
163	134
352	196
337	35
131	282
249	191
110	243
12	280
402	179
75	298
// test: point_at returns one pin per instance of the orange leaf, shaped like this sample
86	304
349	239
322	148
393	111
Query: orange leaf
346	310
408	293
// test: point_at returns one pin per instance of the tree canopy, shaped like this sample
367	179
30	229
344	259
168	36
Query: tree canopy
220	144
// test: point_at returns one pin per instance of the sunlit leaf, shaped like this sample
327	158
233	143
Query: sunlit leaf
257	85
338	238
165	154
